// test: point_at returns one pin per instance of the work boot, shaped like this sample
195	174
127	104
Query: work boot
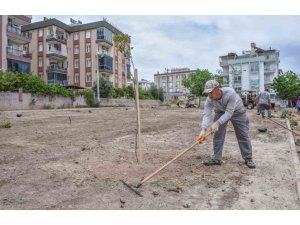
211	162
250	163
263	116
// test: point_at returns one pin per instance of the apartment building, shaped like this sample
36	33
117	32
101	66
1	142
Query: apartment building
171	82
253	70
145	84
74	54
14	44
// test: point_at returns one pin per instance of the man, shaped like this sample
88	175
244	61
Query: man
264	103
227	106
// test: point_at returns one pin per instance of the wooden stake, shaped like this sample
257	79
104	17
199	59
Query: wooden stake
138	150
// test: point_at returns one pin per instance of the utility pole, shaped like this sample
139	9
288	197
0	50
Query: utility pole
98	87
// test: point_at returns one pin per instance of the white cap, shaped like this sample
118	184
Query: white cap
210	85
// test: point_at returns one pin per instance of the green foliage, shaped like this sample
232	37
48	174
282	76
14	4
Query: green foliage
122	42
293	122
48	106
145	94
284	114
157	93
130	91
219	79
287	85
196	81
5	125
89	97
30	83
105	87
118	92
32	102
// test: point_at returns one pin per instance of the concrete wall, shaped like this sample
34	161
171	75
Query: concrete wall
19	101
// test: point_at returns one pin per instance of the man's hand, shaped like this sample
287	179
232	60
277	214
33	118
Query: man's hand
215	126
201	136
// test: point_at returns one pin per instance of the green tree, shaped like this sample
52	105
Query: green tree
105	87
195	82
287	85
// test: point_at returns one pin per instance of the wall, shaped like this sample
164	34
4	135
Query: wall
16	101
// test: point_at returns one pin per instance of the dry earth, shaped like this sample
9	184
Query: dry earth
74	159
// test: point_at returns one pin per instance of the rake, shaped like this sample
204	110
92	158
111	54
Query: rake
135	188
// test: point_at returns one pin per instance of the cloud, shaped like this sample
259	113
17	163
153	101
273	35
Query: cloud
197	41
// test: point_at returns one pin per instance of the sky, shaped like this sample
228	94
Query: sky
196	42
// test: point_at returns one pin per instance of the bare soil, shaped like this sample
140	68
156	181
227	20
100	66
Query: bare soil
75	158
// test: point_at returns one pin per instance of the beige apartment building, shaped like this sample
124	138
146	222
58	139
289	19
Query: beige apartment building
69	54
14	44
171	82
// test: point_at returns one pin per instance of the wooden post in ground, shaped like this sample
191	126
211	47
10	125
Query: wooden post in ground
138	150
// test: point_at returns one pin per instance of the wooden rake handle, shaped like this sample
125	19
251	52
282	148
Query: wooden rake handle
172	160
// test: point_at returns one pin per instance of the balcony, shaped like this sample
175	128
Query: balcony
271	58
56	54
236	72
18	36
18	54
105	40
224	63
56	68
55	37
269	70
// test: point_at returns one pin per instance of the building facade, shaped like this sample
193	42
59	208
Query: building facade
74	54
144	84
171	82
252	71
14	44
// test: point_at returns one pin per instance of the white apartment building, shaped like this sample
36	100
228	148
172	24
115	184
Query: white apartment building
252	71
171	82
144	84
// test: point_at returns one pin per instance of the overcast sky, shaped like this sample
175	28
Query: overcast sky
197	41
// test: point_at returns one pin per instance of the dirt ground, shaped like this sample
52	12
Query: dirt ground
75	158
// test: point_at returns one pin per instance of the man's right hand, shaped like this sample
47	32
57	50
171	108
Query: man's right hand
201	136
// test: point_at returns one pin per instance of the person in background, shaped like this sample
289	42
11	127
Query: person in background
264	103
227	105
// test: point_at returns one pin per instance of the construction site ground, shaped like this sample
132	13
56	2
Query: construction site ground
75	158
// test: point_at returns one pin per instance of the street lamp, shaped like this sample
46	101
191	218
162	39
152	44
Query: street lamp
98	87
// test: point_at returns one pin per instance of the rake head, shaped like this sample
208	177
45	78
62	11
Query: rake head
133	188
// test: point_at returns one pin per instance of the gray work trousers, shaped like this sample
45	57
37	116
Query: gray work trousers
263	107
240	123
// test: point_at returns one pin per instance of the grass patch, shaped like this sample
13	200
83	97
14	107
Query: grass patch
5	125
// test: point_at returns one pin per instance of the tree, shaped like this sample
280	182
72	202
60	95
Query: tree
195	82
287	85
105	87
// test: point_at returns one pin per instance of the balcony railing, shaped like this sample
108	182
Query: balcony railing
17	30
269	70
102	38
102	53
57	52
17	52
57	37
57	68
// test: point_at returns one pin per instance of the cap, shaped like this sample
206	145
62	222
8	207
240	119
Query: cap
210	85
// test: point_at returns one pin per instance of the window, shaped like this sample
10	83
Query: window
41	32
170	89
170	85
76	36
116	65
170	78
183	76
76	63
40	46
177	90
88	48
88	77
40	62
88	62
177	83
177	77
76	49
88	34
164	78
254	67
77	78
163	84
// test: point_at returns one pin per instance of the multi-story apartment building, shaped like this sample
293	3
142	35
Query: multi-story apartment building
253	70
14	44
144	84
170	82
70	54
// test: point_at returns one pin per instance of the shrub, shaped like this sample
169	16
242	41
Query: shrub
5	125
